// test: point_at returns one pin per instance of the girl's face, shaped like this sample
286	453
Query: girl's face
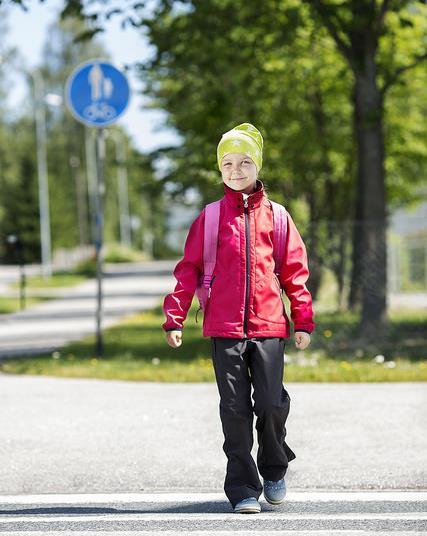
239	172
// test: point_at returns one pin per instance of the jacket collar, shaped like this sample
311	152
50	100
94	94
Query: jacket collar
236	198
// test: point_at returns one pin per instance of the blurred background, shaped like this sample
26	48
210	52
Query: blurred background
339	92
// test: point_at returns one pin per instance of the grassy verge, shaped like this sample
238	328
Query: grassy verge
11	305
57	280
35	285
136	350
337	335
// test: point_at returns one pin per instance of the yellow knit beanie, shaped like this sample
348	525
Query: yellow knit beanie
245	139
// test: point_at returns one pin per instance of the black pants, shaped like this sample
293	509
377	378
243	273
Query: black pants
238	363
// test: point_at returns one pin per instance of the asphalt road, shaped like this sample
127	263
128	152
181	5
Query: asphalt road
97	436
97	457
317	513
102	457
74	437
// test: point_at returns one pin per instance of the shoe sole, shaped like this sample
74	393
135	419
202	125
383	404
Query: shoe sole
248	510
274	502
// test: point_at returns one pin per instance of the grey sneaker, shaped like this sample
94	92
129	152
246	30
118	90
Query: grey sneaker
275	492
248	506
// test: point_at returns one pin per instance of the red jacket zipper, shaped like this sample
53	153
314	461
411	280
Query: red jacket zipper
248	266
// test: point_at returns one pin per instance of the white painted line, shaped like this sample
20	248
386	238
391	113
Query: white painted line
208	532
243	532
76	518
296	496
85	498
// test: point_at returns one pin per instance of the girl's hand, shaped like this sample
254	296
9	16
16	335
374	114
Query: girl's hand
174	338
302	340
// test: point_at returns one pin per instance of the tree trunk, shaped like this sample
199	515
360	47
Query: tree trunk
355	295
371	192
312	244
341	265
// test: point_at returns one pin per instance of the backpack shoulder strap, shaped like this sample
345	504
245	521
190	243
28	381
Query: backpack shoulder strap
280	231
210	241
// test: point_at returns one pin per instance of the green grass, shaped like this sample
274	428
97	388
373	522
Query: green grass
38	283
337	335
59	279
136	350
11	305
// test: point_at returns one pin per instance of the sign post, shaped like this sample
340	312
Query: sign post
97	94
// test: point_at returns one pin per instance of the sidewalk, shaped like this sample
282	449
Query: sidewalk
42	328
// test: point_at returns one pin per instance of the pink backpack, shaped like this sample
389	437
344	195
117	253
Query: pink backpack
210	242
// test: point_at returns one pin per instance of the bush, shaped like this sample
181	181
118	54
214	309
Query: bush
119	253
86	267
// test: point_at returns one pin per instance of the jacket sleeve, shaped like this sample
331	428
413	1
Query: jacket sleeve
187	273
293	276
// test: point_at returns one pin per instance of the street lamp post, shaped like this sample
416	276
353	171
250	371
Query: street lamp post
40	117
80	200
40	100
122	188
15	241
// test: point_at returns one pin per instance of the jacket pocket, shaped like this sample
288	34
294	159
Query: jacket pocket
268	303
223	304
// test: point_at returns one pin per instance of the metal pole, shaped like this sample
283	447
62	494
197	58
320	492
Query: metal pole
80	200
99	194
40	117
148	236
22	285
19	255
122	189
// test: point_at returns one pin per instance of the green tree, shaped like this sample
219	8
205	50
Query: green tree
216	65
220	62
369	35
19	193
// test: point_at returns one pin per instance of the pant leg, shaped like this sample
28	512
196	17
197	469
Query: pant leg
271	406
230	361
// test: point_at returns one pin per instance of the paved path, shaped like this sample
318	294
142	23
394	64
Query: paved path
118	449
128	288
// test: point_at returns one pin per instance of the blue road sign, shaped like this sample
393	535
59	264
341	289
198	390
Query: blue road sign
97	93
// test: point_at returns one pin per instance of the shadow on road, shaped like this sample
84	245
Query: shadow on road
216	507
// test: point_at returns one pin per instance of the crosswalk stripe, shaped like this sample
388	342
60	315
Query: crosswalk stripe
322	513
221	533
292	496
49	518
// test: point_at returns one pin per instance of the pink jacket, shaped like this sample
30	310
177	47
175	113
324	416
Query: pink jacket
245	300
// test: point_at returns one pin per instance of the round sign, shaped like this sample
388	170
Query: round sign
97	93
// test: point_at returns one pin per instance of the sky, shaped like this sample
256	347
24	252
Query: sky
27	32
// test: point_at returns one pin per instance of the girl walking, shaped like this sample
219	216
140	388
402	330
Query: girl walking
246	320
